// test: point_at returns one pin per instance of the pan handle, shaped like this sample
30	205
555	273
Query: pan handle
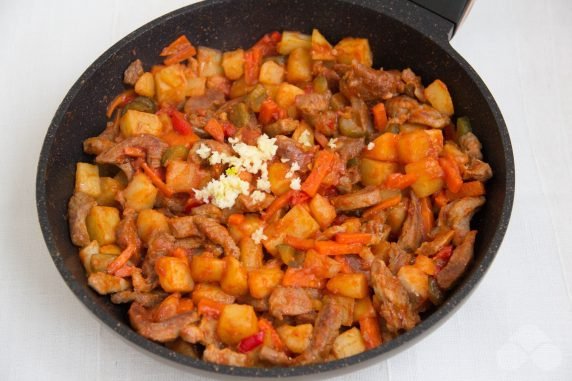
454	11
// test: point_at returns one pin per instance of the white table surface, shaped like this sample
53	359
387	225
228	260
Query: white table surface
516	326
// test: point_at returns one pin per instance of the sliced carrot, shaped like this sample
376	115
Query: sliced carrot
363	238
369	328
236	219
185	305
134	151
180	56
427	216
323	164
472	189
269	331
379	116
180	253
299	243
252	63
120	101
453	177
181	43
156	180
335	248
385	204
302	278
215	130
209	307
121	259
400	180
270	112
278	203
124	271
440	198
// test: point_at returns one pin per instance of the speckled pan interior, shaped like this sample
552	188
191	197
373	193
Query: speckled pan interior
401	35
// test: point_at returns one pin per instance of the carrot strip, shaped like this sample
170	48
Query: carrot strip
453	177
440	198
180	56
302	278
210	308
124	271
278	203
120	101
379	116
299	243
385	204
369	328
270	112
363	238
156	180
323	164
334	248
181	43
134	152
427	215
236	219
269	331
215	130
472	189
400	180
121	259
252	63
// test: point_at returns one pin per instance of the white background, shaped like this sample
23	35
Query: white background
516	326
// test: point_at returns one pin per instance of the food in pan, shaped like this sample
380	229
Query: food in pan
277	206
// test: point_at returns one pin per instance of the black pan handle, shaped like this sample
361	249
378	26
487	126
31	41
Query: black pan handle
454	11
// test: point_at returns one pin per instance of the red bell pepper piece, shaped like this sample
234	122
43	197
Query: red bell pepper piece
180	124
249	343
442	257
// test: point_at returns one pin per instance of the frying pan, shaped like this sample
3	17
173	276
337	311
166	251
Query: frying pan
401	33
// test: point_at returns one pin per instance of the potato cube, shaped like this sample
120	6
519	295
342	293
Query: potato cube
136	122
429	176
183	176
322	210
110	249
212	292
196	87
105	283
438	95
348	344
87	179
286	95
321	48
150	222
239	88
140	193
413	146
101	224
174	274
436	141
279	184
206	268
375	172
296	338
251	223
234	279
171	84
363	308
322	266
109	189
210	62
350	285
425	264
233	64
347	309
299	66
271	73
86	253
99	262
293	40
251	254
145	85
261	282
297	222
350	49
236	322
304	134
414	280
396	216
384	149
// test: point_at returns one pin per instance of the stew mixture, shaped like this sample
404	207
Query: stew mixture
277	206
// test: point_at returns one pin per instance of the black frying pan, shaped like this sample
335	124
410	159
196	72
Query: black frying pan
401	33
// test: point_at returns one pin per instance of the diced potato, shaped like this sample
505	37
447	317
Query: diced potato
105	283
350	49
350	285
110	249
299	66
251	254
236	322
322	210
234	279
414	280
99	262
212	292
166	123
87	179
206	268
279	184
436	141
210	62
304	134
140	193
239	88
171	84
438	95
321	48
86	253
385	148
233	64
413	146
396	216
348	344
293	40
375	172
150	222
271	90
145	85
101	224
321	265
196	86
286	95
271	73
251	223
297	222
429	176
425	264
353	225
296	338
109	189
363	308
182	176
136	122
174	274
261	282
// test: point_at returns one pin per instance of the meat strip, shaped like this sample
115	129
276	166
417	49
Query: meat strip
159	246
183	227
403	109
212	99
133	72
363	198
367	83
224	356
163	331
458	262
289	301
457	216
78	208
217	234
412	232
293	151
